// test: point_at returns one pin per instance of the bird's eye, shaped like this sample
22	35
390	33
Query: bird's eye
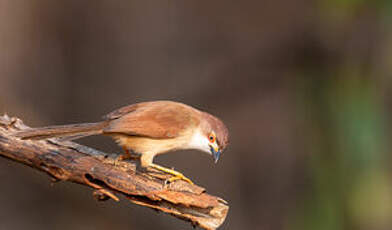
212	138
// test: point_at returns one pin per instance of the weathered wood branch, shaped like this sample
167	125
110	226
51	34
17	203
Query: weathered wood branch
68	161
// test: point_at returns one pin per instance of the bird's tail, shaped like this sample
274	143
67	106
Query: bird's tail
67	132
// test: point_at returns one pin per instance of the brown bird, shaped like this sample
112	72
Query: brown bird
149	129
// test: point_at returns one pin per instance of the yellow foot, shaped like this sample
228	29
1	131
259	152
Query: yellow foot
179	177
117	161
176	175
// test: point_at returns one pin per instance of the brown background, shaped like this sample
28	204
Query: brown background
302	85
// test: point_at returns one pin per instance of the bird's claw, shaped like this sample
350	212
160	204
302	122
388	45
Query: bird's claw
179	177
176	175
116	162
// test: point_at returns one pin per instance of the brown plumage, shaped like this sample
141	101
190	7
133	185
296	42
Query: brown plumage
149	128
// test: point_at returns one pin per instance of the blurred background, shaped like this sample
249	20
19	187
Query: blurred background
304	87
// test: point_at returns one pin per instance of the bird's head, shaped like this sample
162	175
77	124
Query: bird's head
211	137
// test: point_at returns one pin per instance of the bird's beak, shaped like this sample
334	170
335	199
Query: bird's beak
215	152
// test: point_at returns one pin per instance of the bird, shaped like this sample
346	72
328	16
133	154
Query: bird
147	129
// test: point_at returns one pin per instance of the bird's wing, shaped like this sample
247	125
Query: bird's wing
122	111
149	119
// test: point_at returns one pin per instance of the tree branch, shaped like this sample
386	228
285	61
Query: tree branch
68	161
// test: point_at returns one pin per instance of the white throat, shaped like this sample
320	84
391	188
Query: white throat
199	142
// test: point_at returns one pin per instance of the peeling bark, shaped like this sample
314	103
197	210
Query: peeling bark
68	161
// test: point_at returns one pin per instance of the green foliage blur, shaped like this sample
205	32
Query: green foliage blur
349	157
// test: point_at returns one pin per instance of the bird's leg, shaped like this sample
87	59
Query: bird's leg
176	175
126	155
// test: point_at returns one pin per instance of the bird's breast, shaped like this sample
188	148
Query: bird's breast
151	145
